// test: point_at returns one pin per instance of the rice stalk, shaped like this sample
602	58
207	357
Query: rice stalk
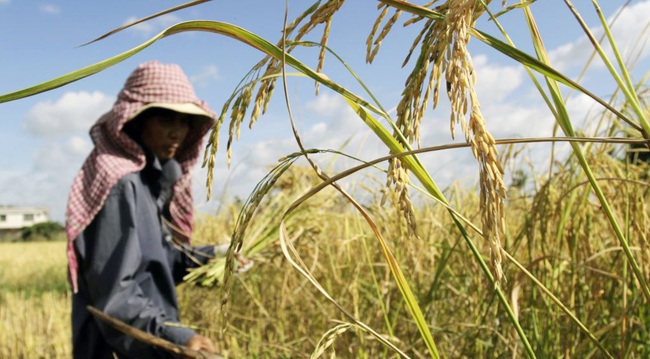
373	44
382	159
328	339
246	215
291	253
624	81
514	53
395	270
444	52
566	126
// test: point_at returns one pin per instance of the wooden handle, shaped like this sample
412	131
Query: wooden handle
152	339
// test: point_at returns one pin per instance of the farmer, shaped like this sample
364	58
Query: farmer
129	216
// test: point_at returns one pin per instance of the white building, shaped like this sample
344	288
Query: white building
14	218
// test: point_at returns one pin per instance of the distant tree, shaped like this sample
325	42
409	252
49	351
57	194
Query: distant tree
45	230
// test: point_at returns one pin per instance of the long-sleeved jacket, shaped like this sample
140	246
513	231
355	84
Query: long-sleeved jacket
128	268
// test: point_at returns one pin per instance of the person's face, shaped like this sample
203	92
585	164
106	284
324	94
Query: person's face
164	134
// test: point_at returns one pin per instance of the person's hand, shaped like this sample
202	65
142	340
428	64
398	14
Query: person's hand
199	342
244	263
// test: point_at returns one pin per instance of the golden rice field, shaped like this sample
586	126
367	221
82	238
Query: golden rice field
273	312
34	301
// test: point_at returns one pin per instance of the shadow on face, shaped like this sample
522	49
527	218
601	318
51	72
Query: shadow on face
160	130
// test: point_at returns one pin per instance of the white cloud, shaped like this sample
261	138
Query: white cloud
586	116
318	129
325	104
249	166
145	28
78	146
571	54
2	2
337	126
630	26
62	157
152	26
51	157
632	23
326	122
495	83
63	126
47	183
515	120
72	113
50	9
207	75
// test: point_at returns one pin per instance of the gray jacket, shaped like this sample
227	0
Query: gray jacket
128	268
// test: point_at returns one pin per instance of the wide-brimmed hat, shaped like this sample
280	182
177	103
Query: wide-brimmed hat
186	108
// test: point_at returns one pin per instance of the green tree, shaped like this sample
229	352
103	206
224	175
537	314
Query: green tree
45	230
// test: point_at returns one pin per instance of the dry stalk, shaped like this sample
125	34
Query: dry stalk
328	339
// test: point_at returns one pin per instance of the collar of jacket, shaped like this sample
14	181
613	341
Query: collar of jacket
161	176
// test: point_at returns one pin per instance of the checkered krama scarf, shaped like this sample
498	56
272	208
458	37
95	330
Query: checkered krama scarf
116	154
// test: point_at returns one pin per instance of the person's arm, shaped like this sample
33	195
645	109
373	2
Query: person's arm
187	257
113	279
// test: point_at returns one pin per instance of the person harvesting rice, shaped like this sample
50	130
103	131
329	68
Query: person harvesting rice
129	216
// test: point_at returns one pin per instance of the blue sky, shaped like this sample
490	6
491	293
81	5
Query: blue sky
44	138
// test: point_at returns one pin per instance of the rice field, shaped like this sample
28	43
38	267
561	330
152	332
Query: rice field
34	301
559	234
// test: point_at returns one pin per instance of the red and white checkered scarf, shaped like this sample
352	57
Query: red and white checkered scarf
116	154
